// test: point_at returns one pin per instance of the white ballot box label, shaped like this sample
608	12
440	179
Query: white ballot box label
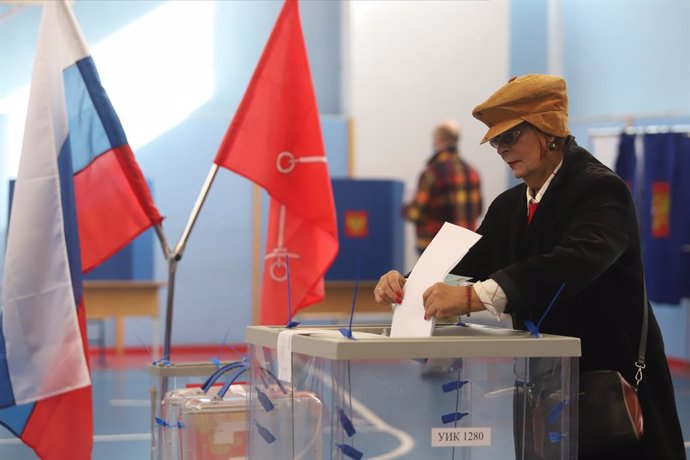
459	437
285	351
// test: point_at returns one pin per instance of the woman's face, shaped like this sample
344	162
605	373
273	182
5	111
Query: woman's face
524	154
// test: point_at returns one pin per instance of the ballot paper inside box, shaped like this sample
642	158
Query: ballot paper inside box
191	414
467	392
214	428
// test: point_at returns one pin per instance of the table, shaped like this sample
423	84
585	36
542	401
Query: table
121	298
338	300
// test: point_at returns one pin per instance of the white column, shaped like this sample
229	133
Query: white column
555	37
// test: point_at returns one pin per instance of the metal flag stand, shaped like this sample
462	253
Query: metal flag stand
176	256
163	369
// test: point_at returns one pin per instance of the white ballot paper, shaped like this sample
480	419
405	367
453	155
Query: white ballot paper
449	245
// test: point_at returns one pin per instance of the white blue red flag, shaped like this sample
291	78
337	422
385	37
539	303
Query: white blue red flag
79	197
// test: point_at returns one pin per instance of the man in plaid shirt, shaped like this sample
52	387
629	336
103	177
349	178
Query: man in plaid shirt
448	189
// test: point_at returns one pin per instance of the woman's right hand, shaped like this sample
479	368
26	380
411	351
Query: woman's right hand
389	288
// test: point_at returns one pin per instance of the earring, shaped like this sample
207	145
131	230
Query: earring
552	143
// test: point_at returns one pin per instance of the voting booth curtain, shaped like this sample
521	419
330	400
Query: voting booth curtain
658	178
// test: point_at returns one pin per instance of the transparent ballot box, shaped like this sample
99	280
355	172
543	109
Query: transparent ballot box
193	421
214	428
469	392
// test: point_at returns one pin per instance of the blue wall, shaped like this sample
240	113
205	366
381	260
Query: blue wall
621	58
213	292
528	37
627	57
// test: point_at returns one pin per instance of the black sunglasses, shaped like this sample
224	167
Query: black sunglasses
507	138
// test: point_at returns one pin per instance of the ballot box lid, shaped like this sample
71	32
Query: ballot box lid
372	342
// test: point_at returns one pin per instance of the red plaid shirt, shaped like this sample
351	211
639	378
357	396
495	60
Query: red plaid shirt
448	191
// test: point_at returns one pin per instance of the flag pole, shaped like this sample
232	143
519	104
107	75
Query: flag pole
256	253
179	249
167	252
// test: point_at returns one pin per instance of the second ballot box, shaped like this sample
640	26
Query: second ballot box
468	392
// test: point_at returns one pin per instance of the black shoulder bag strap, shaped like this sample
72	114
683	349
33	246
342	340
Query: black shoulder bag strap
640	364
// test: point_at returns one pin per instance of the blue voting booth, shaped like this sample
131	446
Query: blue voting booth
370	228
133	262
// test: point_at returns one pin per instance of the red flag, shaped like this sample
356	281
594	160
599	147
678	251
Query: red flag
275	141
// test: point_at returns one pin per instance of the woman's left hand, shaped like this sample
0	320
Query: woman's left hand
442	301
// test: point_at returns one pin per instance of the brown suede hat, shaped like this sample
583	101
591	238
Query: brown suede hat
540	100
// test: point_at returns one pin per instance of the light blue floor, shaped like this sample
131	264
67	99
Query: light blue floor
122	429
121	419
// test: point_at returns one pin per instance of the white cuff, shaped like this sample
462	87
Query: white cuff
492	296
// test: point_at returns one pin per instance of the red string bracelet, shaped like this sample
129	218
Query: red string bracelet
468	290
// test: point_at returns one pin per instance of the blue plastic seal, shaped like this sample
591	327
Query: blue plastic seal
454	385
264	400
556	410
453	417
350	451
345	421
556	437
533	329
265	433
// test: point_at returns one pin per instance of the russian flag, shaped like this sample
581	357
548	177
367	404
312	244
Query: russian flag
665	229
113	200
79	197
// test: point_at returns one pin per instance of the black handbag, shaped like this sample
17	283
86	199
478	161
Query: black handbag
610	413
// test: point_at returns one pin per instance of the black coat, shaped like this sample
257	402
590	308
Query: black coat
584	233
